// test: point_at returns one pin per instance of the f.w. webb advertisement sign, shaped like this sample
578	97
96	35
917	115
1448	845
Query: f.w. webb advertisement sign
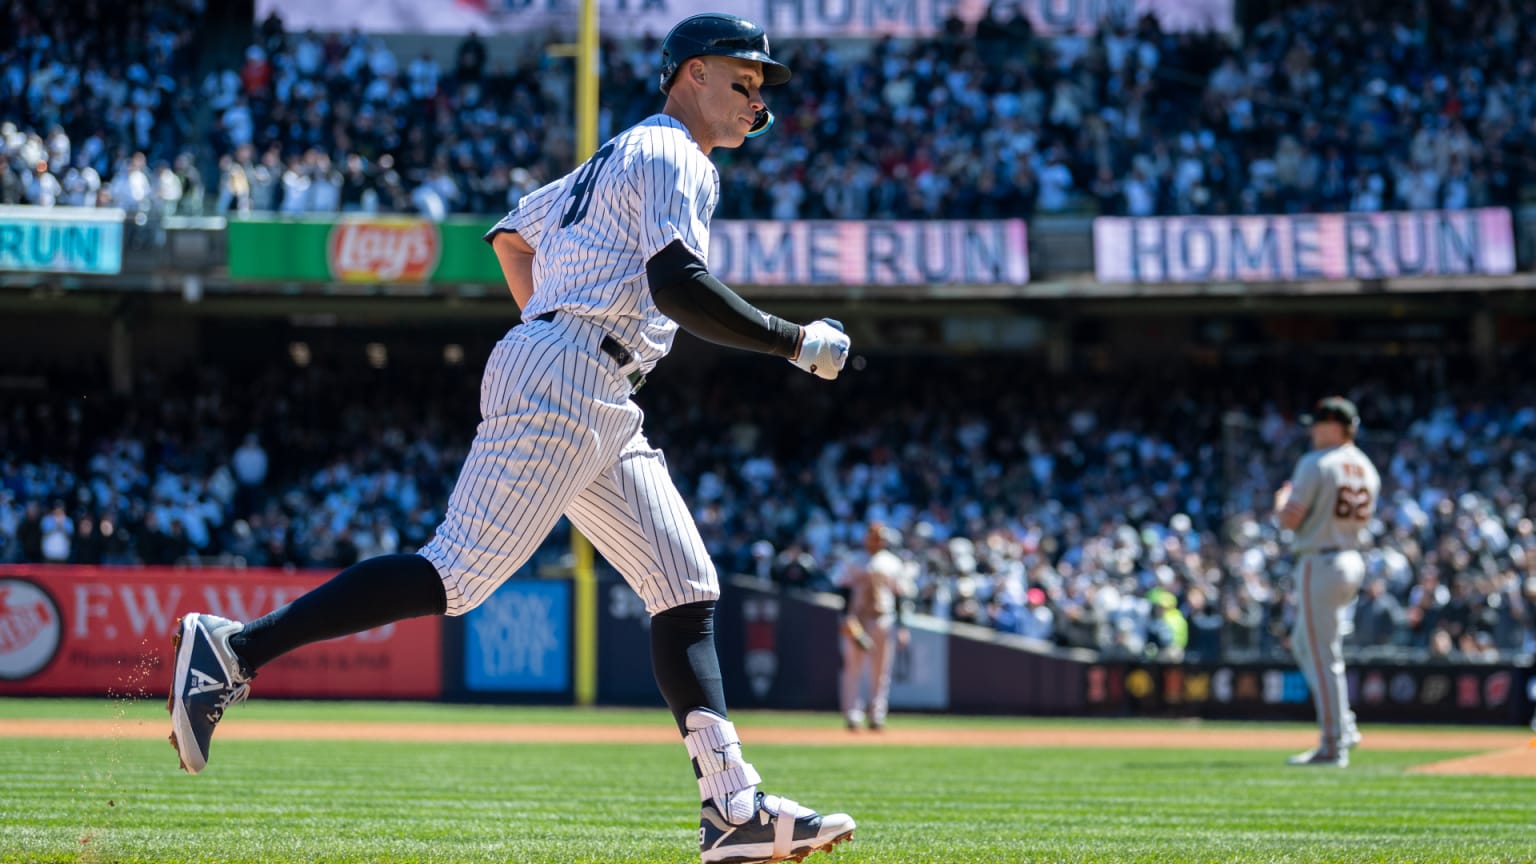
92	631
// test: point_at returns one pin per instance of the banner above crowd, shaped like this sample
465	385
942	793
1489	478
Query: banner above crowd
783	19
61	240
1331	246
870	253
407	251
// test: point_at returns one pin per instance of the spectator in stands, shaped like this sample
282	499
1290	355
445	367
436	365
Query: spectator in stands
249	464
29	532
234	188
42	188
131	187
438	193
469	67
12	189
273	34
296	181
1167	630
56	528
87	546
265	177
1379	616
193	191
1036	621
81	185
1205	626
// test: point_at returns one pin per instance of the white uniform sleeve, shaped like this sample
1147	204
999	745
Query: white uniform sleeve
531	214
1304	482
674	183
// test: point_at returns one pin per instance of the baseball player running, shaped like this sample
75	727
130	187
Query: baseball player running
1326	504
873	588
605	263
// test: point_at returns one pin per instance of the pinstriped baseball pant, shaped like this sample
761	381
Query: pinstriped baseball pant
1326	588
559	435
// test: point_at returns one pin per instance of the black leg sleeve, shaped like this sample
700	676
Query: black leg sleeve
684	660
366	595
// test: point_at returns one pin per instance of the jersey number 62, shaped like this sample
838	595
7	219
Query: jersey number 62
1352	503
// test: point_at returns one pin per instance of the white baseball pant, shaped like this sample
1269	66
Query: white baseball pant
560	435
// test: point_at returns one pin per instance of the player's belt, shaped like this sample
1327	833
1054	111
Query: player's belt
612	348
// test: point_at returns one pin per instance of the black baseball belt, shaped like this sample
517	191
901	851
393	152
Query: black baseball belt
612	348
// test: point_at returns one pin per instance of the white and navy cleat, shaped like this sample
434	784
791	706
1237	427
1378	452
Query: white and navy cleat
779	830
207	681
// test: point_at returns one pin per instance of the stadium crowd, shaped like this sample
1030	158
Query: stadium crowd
99	107
1121	515
1321	106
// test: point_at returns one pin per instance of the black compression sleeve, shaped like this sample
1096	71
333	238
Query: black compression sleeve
684	291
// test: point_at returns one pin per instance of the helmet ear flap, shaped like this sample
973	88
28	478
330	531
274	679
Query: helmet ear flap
671	69
763	123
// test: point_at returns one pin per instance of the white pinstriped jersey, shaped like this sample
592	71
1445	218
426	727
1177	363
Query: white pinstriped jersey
594	229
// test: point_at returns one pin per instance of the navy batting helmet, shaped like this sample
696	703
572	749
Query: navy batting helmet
721	35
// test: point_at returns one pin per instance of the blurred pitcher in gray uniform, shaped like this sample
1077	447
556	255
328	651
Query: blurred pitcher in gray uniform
1326	505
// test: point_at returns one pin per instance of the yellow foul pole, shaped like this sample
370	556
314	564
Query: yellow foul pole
585	575
586	81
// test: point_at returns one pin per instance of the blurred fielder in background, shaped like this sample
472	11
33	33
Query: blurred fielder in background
1327	504
873	588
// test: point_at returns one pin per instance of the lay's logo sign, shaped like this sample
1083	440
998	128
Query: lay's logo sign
394	250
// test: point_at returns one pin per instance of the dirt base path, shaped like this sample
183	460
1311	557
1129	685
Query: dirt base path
1196	737
1519	762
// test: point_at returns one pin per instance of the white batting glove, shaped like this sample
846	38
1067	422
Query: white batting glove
823	348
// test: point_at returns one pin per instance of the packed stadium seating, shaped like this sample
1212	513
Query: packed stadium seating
1321	107
1063	509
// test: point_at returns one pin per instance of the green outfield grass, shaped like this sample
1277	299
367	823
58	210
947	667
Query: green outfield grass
123	800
